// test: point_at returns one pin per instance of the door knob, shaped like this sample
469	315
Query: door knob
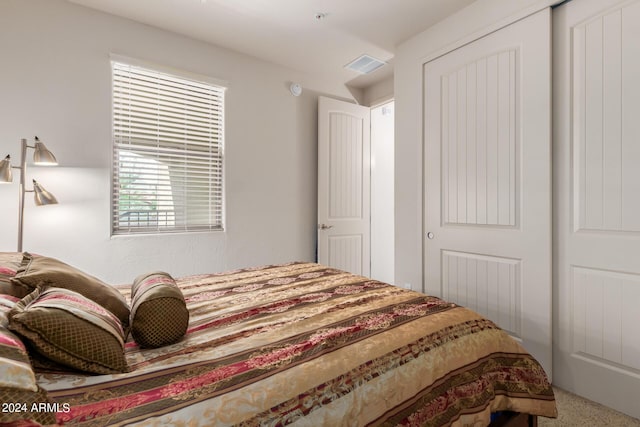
324	226
430	235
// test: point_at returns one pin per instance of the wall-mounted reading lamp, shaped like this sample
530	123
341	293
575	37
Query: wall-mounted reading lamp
41	156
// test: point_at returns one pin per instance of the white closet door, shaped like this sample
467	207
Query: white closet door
597	203
488	179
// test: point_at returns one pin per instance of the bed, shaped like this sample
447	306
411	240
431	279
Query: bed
306	345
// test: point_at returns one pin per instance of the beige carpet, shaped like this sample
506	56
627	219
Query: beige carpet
576	411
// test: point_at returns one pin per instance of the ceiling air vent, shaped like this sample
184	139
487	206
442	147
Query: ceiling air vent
365	64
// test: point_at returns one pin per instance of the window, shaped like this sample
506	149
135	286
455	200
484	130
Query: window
168	137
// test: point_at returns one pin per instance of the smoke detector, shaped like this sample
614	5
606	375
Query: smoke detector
365	64
295	89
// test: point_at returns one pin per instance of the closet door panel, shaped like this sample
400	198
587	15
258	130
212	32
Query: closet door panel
487	212
597	200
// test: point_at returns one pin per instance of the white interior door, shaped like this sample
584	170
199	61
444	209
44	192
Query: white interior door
344	185
597	200
488	180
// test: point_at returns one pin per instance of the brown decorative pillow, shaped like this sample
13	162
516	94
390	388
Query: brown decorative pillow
9	264
159	314
51	272
7	302
18	383
70	329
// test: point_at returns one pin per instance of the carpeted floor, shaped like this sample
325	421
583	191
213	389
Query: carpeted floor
577	411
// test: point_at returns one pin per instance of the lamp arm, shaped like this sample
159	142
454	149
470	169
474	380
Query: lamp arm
22	190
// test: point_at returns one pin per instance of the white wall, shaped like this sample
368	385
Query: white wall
476	20
55	83
379	92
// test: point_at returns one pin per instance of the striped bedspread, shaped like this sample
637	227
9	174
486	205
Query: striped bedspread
308	345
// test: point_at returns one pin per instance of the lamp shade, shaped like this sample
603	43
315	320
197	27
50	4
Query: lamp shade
42	156
5	170
42	196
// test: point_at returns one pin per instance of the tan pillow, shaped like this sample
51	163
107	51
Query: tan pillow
159	314
51	272
18	388
70	329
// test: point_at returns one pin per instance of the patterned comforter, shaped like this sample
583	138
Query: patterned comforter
309	345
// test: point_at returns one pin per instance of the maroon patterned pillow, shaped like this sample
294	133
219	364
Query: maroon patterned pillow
71	330
159	314
18	384
9	265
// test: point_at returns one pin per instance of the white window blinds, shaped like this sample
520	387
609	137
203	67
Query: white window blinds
168	135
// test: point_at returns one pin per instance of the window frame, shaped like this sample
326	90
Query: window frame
218	86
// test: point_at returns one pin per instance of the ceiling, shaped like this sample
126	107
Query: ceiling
289	33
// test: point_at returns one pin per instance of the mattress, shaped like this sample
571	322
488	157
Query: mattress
307	345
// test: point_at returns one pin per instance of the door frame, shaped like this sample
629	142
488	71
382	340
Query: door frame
384	247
